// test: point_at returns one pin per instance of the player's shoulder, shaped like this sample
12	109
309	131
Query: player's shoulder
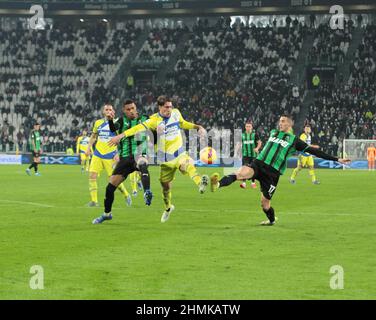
303	136
273	131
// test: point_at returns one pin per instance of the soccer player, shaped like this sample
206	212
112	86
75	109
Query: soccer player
304	158
36	149
104	156
171	153
82	144
249	149
371	156
133	157
271	163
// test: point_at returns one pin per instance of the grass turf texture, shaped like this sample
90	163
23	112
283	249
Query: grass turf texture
211	248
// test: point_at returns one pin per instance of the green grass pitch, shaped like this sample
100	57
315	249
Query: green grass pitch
211	248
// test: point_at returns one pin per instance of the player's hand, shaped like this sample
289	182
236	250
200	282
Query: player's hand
87	152
201	131
115	140
111	115
116	158
344	161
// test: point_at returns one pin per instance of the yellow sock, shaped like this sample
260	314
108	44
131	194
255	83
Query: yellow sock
87	164
192	172
312	174
123	190
294	173
133	178
93	188
82	164
167	198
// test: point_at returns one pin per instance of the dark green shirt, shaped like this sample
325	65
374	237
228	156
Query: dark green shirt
133	145
249	143
279	148
36	138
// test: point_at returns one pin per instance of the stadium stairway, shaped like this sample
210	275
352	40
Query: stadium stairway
298	77
121	77
345	66
170	66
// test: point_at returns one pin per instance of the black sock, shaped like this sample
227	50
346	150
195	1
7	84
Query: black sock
270	214
145	177
35	167
32	165
110	195
227	180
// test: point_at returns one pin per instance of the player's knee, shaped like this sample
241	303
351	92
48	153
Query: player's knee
142	161
93	175
265	204
185	163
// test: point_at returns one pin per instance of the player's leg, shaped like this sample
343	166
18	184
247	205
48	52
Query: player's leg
245	161
83	162
32	165
268	184
167	174
113	184
108	165
311	167
244	173
142	165
37	162
95	168
133	180
268	210
296	170
186	166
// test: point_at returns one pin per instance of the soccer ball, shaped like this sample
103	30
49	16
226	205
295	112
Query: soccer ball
208	155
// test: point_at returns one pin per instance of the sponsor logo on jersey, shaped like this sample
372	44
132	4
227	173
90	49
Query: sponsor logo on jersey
283	143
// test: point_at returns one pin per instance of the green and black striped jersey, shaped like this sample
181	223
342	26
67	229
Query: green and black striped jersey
280	146
249	143
135	145
36	138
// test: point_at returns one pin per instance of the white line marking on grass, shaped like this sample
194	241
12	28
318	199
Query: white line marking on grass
28	203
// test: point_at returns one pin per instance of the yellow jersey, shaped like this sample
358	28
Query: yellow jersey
170	140
308	140
102	149
82	144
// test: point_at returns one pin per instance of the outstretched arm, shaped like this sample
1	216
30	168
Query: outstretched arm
302	146
148	124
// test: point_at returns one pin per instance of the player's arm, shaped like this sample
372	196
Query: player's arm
115	125
78	145
149	124
186	125
302	146
33	141
259	143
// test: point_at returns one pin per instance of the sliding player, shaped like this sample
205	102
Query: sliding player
271	163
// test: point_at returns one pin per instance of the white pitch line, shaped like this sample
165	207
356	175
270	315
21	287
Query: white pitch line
28	203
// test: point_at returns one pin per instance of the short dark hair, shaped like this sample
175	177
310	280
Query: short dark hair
161	100
307	125
128	101
36	124
287	116
249	122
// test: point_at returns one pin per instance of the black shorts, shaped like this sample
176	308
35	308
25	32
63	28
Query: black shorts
36	154
267	176
125	167
247	160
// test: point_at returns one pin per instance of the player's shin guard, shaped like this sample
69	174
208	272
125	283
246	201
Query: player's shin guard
167	198
270	214
145	177
93	188
35	167
192	172
110	195
227	180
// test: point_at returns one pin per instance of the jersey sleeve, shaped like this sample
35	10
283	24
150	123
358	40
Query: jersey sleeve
257	137
185	124
150	124
302	146
303	137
